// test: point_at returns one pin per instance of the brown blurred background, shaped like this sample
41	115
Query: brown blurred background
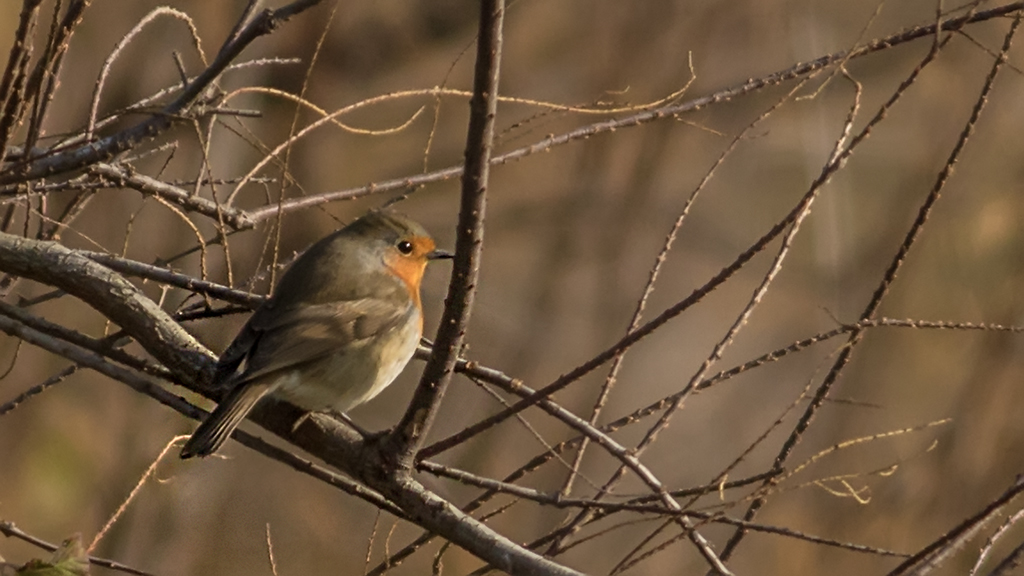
571	236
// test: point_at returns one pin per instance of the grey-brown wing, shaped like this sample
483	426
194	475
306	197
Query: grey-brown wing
289	338
235	353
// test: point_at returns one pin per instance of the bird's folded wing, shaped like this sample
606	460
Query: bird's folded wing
290	338
233	356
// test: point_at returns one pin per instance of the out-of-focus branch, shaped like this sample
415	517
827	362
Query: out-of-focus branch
913	233
9	530
642	118
103	149
12	85
931	555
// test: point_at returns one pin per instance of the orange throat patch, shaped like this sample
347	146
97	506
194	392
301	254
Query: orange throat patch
410	267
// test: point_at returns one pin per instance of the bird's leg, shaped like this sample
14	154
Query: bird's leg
331	414
366	434
299	422
344	418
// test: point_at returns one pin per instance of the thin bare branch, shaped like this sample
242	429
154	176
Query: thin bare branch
662	113
931	555
117	175
103	149
9	530
823	390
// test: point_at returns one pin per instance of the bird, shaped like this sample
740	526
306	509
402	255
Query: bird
340	326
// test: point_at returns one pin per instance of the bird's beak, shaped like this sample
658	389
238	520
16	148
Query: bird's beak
440	255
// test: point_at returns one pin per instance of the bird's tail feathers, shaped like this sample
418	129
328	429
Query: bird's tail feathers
218	426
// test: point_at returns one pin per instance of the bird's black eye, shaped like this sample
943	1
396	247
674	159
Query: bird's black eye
405	247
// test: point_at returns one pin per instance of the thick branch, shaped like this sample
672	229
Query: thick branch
407	437
108	292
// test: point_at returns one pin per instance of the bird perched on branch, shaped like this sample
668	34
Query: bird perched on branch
341	325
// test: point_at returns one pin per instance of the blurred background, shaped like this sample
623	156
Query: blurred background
572	235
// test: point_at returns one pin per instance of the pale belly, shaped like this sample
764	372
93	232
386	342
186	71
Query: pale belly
347	379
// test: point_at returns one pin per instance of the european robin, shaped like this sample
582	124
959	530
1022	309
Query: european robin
341	325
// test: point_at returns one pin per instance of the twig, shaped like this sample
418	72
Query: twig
9	530
184	281
119	48
116	175
995	537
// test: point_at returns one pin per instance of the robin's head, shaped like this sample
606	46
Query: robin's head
404	245
357	261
